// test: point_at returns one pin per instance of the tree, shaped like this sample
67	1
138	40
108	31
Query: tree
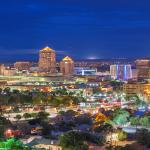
15	91
83	119
18	117
7	90
121	117
121	135
75	140
105	127
135	121
4	124
42	115
66	126
47	128
26	115
71	113
145	121
143	136
72	141
13	144
101	118
33	115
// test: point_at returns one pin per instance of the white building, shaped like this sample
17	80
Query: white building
121	72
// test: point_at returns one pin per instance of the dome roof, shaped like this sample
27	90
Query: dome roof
67	58
47	49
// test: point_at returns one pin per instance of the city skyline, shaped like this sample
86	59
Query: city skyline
74	75
100	29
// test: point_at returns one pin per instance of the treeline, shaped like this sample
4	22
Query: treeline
55	98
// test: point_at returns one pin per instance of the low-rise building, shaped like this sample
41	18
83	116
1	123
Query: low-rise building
22	65
137	89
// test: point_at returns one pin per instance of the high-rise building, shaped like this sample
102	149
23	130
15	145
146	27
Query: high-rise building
24	65
67	66
143	68
47	60
121	72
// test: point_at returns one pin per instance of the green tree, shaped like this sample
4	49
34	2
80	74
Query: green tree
135	121
42	115
145	121
13	144
18	117
26	115
73	141
121	117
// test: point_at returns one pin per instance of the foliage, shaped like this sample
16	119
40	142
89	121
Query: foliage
122	135
121	117
101	118
55	98
66	126
18	117
72	141
4	123
42	115
145	121
135	121
70	113
47	128
75	140
27	115
13	144
143	136
83	119
105	127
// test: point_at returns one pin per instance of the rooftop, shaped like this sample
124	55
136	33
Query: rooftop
47	49
67	58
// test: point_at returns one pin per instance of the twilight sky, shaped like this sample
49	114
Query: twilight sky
79	28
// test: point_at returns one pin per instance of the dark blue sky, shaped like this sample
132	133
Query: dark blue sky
80	28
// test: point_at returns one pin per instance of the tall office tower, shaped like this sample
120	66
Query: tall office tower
47	60
2	68
22	65
67	66
121	72
143	68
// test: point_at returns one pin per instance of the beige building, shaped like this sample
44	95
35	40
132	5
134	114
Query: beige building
67	66
10	72
2	68
47	60
143	68
137	88
22	65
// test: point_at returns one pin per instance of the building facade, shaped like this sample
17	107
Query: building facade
2	69
85	71
47	60
143	68
132	89
22	65
67	66
121	72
